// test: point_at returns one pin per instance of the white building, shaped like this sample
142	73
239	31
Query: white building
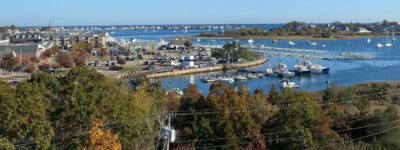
188	62
5	42
363	30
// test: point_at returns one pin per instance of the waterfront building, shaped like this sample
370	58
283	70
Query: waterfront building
363	30
4	42
188	62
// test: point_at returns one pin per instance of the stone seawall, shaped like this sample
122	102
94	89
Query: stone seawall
207	69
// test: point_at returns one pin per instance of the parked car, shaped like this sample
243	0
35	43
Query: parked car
115	68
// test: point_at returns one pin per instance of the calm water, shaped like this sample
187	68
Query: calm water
150	35
385	66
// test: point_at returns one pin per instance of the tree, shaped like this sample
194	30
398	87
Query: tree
234	120
6	144
389	120
65	60
307	125
26	61
55	66
30	119
9	61
82	46
44	67
121	61
100	139
103	53
80	57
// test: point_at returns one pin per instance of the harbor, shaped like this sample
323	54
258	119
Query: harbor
350	62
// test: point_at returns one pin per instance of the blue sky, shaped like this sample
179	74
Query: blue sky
112	12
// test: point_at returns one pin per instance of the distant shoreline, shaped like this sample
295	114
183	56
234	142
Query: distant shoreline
296	37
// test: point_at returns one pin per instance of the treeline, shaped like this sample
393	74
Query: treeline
296	28
360	117
85	110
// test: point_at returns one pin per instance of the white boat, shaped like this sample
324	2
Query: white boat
176	91
292	43
388	44
274	41
226	79
314	44
369	40
307	67
379	45
252	76
318	69
288	74
210	80
240	77
393	36
287	84
251	41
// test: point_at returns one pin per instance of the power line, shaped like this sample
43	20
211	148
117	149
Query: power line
219	111
292	137
62	135
367	136
226	145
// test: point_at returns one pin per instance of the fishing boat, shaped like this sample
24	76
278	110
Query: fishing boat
271	73
301	69
307	67
288	74
274	41
319	69
280	68
287	84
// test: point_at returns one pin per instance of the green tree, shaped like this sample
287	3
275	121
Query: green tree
31	120
6	144
82	46
390	122
300	122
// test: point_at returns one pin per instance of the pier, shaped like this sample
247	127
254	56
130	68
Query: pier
312	54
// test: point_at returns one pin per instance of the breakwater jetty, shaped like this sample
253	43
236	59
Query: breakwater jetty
221	67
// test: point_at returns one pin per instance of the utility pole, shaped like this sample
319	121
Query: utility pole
169	127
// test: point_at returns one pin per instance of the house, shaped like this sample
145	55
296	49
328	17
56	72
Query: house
20	51
177	43
363	30
26	37
174	63
188	62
